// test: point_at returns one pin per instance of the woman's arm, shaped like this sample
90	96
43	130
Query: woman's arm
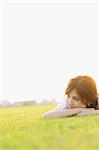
55	113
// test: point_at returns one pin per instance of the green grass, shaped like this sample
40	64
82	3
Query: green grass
22	128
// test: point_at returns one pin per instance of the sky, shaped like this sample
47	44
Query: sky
43	45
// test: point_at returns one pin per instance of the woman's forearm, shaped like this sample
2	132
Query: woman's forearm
61	113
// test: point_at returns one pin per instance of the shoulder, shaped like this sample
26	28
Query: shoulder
62	105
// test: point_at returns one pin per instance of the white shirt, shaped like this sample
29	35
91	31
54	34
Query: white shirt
61	110
62	105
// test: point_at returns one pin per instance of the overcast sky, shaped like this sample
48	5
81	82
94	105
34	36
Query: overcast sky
43	45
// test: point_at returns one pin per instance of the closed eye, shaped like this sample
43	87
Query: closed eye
75	98
68	96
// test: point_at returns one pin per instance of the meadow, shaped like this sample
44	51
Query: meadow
22	128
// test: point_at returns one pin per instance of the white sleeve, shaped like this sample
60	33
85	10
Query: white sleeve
59	111
55	113
62	105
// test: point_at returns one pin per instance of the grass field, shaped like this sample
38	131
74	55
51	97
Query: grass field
22	128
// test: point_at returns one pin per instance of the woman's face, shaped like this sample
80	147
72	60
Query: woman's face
75	101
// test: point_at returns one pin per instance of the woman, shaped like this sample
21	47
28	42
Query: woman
81	99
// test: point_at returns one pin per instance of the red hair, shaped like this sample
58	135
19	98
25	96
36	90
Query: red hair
86	88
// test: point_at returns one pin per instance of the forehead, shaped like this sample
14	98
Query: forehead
74	93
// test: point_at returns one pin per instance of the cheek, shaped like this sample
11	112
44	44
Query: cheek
78	104
72	104
82	104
